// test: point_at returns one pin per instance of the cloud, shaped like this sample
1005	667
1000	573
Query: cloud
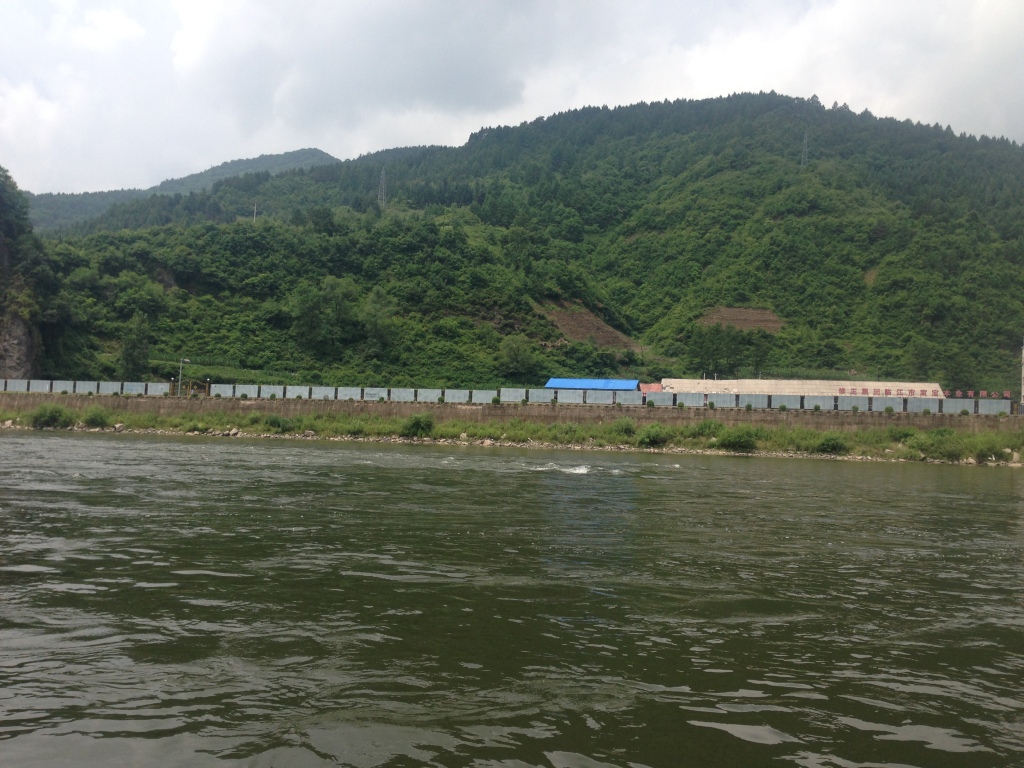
114	93
95	29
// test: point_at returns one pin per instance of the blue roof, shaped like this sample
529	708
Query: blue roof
619	385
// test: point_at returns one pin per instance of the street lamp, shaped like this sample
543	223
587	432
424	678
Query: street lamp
181	365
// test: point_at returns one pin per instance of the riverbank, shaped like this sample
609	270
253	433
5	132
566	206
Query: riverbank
892	441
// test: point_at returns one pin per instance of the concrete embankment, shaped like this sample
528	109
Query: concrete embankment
544	414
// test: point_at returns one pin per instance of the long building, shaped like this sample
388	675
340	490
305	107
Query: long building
812	387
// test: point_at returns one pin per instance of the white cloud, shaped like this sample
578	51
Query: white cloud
100	30
114	93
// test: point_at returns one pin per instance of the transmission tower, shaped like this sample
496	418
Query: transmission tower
803	156
382	191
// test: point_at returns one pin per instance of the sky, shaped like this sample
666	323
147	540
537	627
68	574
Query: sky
110	94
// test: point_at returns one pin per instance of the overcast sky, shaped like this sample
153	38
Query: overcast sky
104	94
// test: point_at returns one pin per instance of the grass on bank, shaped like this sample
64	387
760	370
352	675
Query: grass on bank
898	442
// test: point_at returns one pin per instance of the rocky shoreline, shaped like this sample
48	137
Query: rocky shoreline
1012	459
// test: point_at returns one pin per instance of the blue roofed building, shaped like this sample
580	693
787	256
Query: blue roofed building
612	385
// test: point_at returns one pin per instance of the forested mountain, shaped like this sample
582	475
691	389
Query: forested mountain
52	211
877	248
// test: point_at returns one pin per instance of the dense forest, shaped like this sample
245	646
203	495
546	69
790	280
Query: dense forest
50	211
882	249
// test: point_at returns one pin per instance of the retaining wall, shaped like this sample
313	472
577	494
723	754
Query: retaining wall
843	421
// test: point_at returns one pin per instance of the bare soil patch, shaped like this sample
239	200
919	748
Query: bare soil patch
743	318
577	323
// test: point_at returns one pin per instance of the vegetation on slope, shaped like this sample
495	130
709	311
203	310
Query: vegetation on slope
895	251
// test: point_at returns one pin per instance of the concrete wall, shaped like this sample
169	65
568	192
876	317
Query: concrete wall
993	407
849	402
826	403
403	394
428	395
629	398
661	399
512	394
918	404
881	403
755	401
540	395
792	402
822	420
599	396
570	396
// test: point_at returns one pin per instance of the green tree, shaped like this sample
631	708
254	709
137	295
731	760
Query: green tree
133	362
516	356
378	318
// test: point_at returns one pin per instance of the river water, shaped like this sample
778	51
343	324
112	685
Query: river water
279	603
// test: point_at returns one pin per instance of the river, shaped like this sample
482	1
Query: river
205	602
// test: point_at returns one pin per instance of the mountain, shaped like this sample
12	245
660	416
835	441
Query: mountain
744	235
52	211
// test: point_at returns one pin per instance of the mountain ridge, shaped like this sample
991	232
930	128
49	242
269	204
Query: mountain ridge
53	210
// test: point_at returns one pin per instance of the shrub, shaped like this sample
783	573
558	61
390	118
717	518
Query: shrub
279	423
832	443
926	412
739	439
749	407
855	408
782	409
888	409
298	397
139	394
965	412
63	391
900	434
524	401
626	427
167	394
96	417
652	436
817	407
217	395
680	406
115	394
88	394
244	396
650	404
51	416
273	396
418	425
194	396
711	404
707	428
440	399
495	400
380	400
554	401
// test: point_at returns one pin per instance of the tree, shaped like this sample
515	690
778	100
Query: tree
133	363
516	356
378	317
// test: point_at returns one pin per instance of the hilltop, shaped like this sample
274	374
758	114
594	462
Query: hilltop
52	211
673	238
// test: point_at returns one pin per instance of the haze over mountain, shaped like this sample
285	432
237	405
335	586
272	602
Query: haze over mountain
745	235
53	210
